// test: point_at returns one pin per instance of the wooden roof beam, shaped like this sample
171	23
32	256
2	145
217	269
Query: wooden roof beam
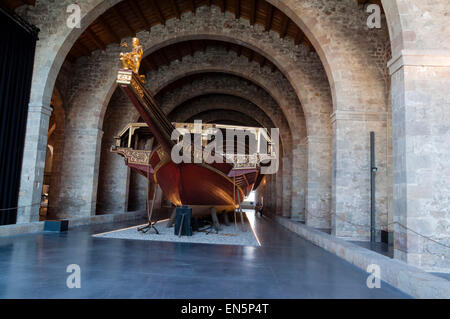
154	6
122	20
138	11
252	12
193	6
237	13
175	9
108	28
284	26
269	17
83	48
99	43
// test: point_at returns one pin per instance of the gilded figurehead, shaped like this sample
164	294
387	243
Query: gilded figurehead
132	60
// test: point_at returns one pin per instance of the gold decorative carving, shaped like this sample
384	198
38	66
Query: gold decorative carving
138	157
137	88
132	60
162	154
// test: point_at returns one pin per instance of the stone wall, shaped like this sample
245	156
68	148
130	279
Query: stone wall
345	77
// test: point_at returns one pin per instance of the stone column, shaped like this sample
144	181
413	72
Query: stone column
77	194
269	200
351	173
318	190
58	148
33	163
421	141
298	181
114	181
287	185
279	191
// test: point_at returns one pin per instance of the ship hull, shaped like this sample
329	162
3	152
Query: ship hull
193	184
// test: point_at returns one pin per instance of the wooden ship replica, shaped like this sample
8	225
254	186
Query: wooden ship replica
199	184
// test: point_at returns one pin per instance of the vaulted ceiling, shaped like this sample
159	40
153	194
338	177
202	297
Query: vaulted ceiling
131	16
189	79
177	51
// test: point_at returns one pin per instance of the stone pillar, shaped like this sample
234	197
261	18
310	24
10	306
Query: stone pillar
58	149
318	190
421	137
351	173
114	181
287	185
33	163
298	181
279	190
137	193
77	194
269	200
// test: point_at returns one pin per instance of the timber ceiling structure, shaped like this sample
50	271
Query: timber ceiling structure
132	16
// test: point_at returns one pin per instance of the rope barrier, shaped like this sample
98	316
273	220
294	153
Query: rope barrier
379	229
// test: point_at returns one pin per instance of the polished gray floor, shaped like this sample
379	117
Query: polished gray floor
285	266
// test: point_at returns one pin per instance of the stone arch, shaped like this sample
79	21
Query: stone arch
224	83
54	31
309	84
279	89
293	58
229	103
225	102
220	117
294	183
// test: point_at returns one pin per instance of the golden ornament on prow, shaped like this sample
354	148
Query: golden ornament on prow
132	60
